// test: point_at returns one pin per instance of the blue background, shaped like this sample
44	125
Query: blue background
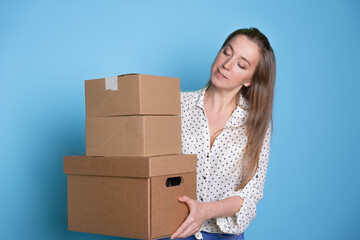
48	49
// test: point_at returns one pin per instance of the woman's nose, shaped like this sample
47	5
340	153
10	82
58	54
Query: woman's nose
227	64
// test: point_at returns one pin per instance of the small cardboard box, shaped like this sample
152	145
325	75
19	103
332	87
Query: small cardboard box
129	197
133	136
132	94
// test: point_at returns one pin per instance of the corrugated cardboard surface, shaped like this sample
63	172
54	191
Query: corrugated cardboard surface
159	95
136	94
167	213
133	205
109	205
140	167
133	135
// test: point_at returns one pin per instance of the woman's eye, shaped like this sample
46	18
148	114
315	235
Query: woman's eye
242	67
227	52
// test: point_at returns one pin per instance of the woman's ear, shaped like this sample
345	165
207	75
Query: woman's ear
247	84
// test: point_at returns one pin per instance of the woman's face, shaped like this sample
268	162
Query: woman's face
235	64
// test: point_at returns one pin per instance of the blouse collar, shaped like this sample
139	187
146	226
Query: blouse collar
241	111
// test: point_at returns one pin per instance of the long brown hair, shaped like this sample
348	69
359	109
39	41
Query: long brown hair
260	96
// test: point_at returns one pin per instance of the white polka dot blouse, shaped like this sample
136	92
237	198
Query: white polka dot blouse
218	169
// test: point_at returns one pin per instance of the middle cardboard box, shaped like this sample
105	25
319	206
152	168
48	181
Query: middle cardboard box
139	135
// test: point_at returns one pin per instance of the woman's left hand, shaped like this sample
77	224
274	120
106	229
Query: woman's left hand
198	215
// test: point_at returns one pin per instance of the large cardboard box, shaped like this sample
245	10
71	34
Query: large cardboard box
129	197
132	94
133	136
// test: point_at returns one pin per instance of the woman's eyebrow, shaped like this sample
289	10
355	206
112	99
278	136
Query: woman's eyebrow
232	49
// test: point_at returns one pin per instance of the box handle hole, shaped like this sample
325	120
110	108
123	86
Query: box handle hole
173	181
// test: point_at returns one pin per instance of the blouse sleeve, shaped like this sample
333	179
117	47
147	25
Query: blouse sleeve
251	193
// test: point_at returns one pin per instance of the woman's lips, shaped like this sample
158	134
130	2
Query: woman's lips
220	75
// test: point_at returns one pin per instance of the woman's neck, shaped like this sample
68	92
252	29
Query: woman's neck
219	100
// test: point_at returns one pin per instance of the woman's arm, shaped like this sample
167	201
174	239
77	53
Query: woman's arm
236	209
226	207
200	212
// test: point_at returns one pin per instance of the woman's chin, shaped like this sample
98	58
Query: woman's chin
217	83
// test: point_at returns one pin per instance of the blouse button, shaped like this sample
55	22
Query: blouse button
204	177
207	156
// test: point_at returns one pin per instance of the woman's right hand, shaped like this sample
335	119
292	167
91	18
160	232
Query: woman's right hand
197	216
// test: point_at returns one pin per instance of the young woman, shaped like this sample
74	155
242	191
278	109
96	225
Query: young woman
228	125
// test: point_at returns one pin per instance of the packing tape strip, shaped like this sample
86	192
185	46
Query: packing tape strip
111	83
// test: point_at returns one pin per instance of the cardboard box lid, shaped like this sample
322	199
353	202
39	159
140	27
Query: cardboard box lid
140	167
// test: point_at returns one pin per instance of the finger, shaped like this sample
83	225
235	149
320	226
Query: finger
192	229
183	198
182	228
187	200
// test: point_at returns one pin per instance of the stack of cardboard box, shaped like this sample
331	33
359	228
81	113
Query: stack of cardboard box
128	183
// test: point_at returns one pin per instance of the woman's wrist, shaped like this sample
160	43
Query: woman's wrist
209	207
222	208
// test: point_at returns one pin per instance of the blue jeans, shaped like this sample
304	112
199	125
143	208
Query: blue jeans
213	236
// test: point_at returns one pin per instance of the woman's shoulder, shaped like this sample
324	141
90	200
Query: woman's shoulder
189	94
189	98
